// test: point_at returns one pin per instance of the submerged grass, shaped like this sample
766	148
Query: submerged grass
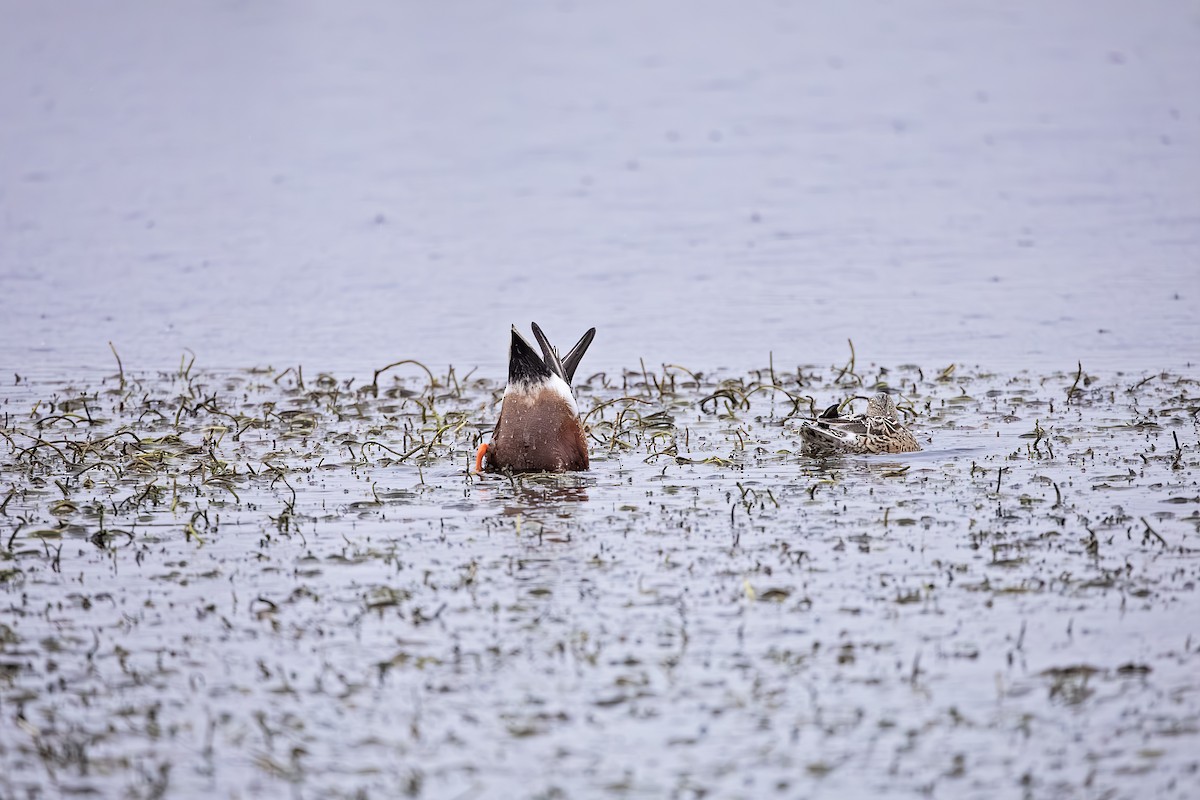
239	581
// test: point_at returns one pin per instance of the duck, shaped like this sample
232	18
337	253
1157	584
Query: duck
879	430
539	429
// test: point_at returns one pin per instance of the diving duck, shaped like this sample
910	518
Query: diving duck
539	429
879	430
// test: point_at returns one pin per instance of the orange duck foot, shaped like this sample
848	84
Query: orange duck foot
479	454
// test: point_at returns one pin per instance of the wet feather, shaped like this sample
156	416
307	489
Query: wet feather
878	430
539	429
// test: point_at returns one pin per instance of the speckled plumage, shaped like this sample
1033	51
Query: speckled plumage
879	430
539	429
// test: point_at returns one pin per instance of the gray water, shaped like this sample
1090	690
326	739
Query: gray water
342	186
234	584
247	575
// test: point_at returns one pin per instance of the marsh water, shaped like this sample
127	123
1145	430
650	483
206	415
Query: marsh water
342	187
236	560
256	583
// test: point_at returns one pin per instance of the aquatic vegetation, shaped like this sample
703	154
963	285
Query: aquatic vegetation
240	581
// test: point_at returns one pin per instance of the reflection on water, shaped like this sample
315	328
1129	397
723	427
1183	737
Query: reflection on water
544	503
266	583
533	495
373	619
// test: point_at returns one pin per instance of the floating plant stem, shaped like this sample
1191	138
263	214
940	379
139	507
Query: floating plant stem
695	377
1074	386
414	362
120	368
1151	532
849	368
607	403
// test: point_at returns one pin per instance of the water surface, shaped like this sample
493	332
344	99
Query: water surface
237	583
231	567
343	187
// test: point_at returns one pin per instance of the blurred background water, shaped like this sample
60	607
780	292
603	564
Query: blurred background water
341	185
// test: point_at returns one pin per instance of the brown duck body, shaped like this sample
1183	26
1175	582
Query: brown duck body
539	429
877	431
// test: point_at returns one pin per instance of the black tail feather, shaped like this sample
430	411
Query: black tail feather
524	364
573	358
562	367
548	352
